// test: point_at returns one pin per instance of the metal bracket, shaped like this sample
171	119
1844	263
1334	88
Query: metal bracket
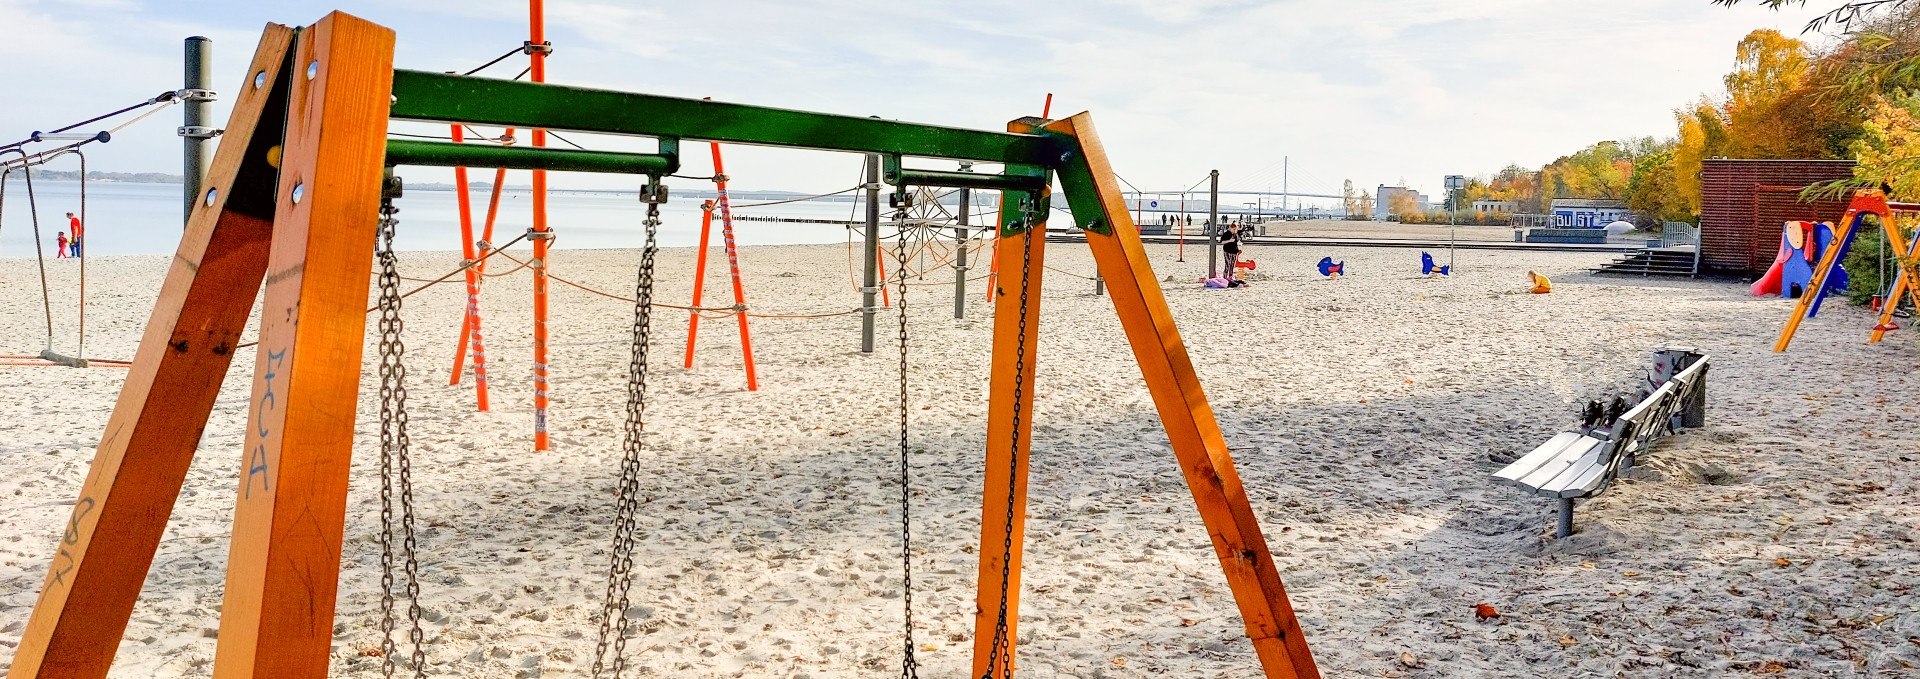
392	187
539	235
719	178
194	95
653	192
198	132
527	47
1099	226
900	200
1031	211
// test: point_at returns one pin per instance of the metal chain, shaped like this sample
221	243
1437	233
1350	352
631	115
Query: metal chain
613	618
1002	645
909	665
394	454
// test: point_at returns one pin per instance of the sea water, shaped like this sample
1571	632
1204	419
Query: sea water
144	219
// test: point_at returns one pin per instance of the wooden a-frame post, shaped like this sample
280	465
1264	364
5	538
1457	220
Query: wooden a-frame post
1865	202
1100	211
104	554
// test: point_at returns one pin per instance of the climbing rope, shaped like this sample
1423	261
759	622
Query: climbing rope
1002	645
613	619
396	463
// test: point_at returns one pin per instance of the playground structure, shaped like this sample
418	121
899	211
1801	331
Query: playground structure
298	196
1329	268
1801	245
74	145
1866	205
1431	270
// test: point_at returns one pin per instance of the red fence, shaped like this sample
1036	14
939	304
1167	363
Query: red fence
1744	201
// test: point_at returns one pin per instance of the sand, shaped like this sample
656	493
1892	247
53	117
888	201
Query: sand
1365	413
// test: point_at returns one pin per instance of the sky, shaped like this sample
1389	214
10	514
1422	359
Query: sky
1373	91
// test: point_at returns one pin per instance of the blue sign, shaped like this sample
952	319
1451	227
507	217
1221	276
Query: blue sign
1153	203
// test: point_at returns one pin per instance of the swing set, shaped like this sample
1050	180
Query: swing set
1868	207
298	202
24	164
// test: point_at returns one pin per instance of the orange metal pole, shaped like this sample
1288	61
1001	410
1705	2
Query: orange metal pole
699	278
470	322
880	257
536	34
466	248
733	268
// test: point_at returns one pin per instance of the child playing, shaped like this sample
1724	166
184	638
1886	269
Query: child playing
60	249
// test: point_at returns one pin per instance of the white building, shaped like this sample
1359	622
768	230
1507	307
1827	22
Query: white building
1504	206
1589	213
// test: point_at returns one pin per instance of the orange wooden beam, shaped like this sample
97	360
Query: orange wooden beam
1087	179
283	569
103	556
1008	450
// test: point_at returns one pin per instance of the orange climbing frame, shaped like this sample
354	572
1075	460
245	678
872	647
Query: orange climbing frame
469	321
733	269
536	37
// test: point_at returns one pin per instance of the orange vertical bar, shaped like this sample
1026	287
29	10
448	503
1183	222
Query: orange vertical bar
699	278
1001	545
1098	205
103	556
283	569
880	261
536	34
733	267
481	385
465	211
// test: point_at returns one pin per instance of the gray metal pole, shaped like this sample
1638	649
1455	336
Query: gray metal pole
960	254
871	283
1213	224
194	132
1564	526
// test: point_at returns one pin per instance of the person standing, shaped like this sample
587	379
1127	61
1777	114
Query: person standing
1230	246
60	246
74	225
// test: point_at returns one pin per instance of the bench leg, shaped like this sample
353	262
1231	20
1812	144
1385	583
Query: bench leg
1564	527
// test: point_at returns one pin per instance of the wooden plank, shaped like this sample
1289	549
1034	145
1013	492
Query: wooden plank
103	556
1087	178
1008	449
1540	478
1585	475
1512	473
284	566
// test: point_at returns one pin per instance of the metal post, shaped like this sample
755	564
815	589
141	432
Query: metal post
870	284
193	123
1283	185
960	253
1182	251
1564	526
1213	224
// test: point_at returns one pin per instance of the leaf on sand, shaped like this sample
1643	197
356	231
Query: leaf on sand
1119	662
1410	661
1782	562
1568	640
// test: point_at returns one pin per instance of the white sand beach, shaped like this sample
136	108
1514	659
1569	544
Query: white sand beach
1365	415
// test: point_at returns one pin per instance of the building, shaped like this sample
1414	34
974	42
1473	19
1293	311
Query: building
1383	196
1505	206
1589	213
1744	202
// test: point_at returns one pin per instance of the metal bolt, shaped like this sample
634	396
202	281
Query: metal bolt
298	190
211	194
259	80
313	69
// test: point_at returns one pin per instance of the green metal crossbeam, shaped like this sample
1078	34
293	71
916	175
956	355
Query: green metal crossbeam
443	154
905	176
440	97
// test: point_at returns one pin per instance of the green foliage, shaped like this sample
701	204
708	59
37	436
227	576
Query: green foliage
1867	258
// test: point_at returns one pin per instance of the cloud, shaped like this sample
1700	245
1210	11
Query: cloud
1371	91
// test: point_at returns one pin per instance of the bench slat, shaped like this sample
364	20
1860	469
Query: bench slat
1546	452
1581	481
1569	457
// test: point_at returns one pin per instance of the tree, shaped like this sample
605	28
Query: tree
1654	189
1402	204
1350	200
1769	68
1366	205
1846	16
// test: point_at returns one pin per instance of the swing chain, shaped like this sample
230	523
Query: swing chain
1000	657
613	618
395	454
909	665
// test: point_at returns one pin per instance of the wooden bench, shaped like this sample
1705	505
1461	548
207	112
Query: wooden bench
1578	464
